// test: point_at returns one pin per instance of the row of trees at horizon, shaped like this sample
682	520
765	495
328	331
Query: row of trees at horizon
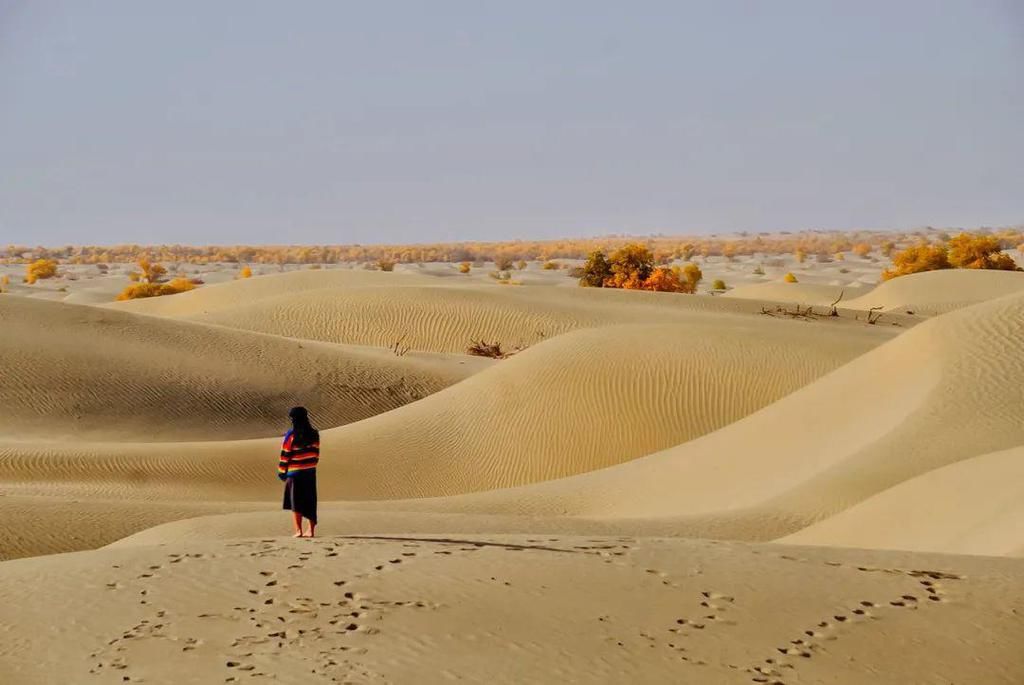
823	245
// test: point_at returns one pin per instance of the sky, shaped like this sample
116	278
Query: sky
243	121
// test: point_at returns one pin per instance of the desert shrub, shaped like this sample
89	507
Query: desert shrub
503	263
134	276
595	271
386	264
800	256
839	257
317	267
918	258
40	269
789	278
576	272
102	268
823	258
500	275
979	252
5	281
245	272
465	267
862	249
521	264
141	290
758	270
551	266
887	247
718	284
693	275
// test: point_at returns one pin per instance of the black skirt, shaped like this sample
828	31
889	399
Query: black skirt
300	494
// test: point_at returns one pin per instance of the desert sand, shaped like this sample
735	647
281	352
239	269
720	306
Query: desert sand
653	488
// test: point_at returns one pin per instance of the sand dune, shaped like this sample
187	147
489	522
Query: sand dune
935	292
945	391
975	506
370	308
84	372
809	294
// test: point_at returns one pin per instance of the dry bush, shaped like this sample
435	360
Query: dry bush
862	249
5	281
245	272
800	256
141	290
790	278
758	270
481	348
465	267
718	284
552	266
39	270
315	267
386	264
503	263
521	264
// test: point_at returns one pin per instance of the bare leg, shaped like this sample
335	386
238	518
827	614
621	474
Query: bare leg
297	517
312	529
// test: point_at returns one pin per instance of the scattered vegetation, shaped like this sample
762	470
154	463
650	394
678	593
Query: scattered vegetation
245	272
503	262
386	264
790	278
718	284
965	251
521	264
551	266
5	281
465	267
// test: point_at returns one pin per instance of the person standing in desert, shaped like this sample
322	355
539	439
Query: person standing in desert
300	454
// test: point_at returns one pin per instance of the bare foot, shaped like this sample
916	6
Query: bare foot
298	534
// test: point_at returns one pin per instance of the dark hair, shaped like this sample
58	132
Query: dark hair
303	432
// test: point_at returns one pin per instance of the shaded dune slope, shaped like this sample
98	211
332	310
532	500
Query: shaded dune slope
85	372
975	506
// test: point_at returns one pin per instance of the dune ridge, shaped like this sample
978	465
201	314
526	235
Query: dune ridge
84	372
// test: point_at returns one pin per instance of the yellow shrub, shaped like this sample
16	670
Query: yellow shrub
40	269
552	266
245	272
465	267
789	278
385	264
4	282
968	251
140	290
862	249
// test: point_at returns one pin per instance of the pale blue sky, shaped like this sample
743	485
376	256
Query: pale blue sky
338	122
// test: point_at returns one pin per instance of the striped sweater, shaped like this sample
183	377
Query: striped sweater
295	458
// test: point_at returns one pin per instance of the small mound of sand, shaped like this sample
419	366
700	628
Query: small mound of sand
935	292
